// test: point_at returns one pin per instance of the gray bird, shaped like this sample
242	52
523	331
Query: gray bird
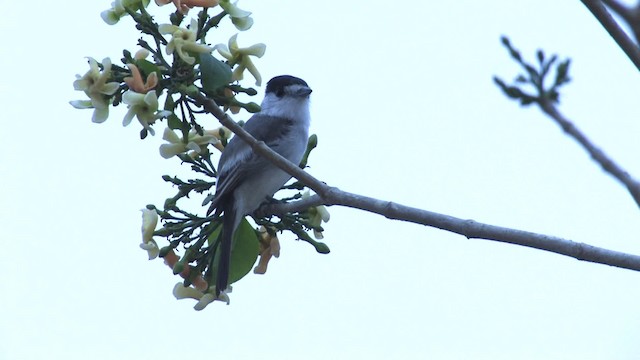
246	179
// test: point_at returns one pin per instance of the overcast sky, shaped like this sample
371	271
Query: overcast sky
405	110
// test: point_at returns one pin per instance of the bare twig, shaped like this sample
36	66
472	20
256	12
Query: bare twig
630	14
596	154
609	23
469	228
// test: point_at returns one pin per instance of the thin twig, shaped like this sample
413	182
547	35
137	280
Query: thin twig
609	23
469	228
596	153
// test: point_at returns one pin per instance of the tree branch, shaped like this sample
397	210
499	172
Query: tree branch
469	228
630	14
609	23
596	154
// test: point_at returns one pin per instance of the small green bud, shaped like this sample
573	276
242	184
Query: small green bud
191	90
252	107
164	251
313	141
322	248
178	268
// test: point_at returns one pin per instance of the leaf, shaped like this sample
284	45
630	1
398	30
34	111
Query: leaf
244	251
562	72
148	67
540	55
215	73
174	122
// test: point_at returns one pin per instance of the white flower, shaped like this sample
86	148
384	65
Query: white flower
149	223
152	249
240	18
196	142
186	292
317	215
95	86
241	56
117	11
183	6
204	298
183	41
144	107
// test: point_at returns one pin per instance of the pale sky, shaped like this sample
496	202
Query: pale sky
405	110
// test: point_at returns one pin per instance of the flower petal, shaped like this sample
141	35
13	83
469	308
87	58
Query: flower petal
182	292
167	29
149	223
81	104
169	150
242	23
205	300
100	114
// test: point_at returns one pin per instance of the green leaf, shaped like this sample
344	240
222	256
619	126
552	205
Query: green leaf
562	72
174	122
147	67
215	73
540	55
244	251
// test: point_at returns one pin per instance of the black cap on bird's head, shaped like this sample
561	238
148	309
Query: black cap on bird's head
288	85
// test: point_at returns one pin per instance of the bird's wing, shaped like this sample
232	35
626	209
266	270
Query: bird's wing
238	159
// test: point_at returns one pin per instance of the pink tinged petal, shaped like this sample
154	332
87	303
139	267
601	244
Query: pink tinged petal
274	247
152	81
201	3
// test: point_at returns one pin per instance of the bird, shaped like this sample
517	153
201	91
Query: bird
245	179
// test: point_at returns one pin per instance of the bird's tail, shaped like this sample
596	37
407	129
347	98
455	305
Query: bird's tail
229	223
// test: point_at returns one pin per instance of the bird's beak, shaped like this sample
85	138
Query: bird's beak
303	91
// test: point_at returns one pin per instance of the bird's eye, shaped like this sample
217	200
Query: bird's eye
280	93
